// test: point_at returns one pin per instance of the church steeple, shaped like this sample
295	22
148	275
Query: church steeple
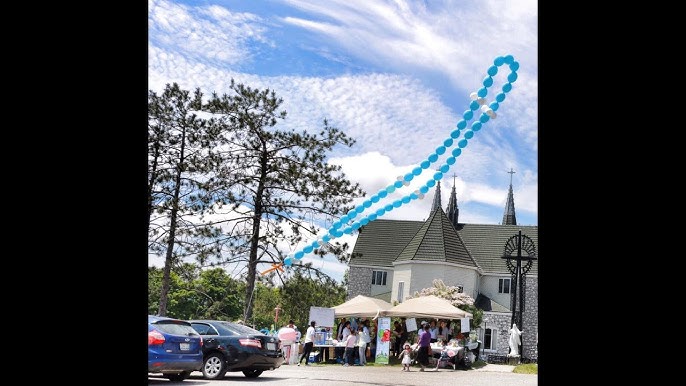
453	211
509	217
437	197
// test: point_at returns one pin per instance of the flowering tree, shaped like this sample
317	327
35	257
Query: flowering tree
457	298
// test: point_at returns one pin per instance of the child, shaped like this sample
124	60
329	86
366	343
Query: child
405	355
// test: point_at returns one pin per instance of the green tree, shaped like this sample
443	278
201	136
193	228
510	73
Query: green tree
181	163
280	180
300	292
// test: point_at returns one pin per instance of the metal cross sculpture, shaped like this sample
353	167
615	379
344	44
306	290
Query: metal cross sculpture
519	244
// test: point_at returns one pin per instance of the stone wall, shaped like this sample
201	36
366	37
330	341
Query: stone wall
359	282
530	320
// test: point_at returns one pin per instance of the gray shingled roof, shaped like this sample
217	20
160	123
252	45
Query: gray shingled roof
486	243
381	241
437	240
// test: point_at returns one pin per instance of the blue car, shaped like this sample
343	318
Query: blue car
174	348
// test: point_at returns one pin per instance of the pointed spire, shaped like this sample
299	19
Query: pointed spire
452	210
437	197
509	217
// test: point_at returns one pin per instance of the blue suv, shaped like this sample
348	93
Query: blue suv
174	348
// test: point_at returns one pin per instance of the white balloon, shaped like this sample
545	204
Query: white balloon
491	114
481	101
473	96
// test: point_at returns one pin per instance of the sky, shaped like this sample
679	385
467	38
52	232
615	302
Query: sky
394	75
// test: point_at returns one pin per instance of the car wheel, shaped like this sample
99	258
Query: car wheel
214	366
178	377
252	373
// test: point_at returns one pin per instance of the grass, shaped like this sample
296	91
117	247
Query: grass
526	368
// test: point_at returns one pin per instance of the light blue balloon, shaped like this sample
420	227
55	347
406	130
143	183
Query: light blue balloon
488	81
326	238
424	189
448	142
468	134
444	168
390	188
352	213
440	150
335	225
462	143
462	123
299	255
409	176
364	221
438	176
288	261
507	87
455	133
476	126
512	77
450	160
483	91
413	196
467	115
315	244
355	226
494	106
483	119
500	97
406	199
373	216
425	164
509	59
382	193
514	66
333	231
433	157
398	184
359	209
430	183
347	230
344	219
397	203
474	106
416	171
380	212
388	207
375	198
339	233
492	70
456	152
307	249
499	61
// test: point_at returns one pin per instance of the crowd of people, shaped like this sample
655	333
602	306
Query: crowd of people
354	342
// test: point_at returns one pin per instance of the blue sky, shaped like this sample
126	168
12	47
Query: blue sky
394	75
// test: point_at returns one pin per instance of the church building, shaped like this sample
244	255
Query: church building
394	259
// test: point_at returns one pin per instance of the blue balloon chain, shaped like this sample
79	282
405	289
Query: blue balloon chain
478	102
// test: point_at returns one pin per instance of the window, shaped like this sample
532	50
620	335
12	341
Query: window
489	339
503	286
401	289
379	277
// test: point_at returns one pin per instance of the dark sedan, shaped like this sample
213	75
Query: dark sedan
233	347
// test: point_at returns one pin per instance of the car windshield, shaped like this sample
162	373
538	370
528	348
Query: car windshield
174	327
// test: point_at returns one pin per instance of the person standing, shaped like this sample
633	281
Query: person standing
309	342
396	334
434	331
338	350
406	356
362	340
424	348
350	343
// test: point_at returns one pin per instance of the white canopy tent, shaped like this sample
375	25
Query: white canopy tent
362	306
429	306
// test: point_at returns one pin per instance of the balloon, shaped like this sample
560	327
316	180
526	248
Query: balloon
454	134
425	164
481	101
417	171
390	189
388	207
469	134
491	114
437	176
447	143
382	193
307	249
397	203
326	238
500	97
356	225
509	59
352	213
288	261
512	77
494	106
467	115
457	151
492	70
499	61
410	176
444	168
450	160
364	221
462	124
473	96
429	184
476	126
507	87
483	119
462	143
424	189
299	255
359	209
473	106
488	81
380	212
287	334
347	231
406	199
482	92
433	157
375	198
514	66
372	217
440	150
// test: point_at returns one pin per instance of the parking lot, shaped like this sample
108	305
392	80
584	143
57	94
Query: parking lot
319	375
